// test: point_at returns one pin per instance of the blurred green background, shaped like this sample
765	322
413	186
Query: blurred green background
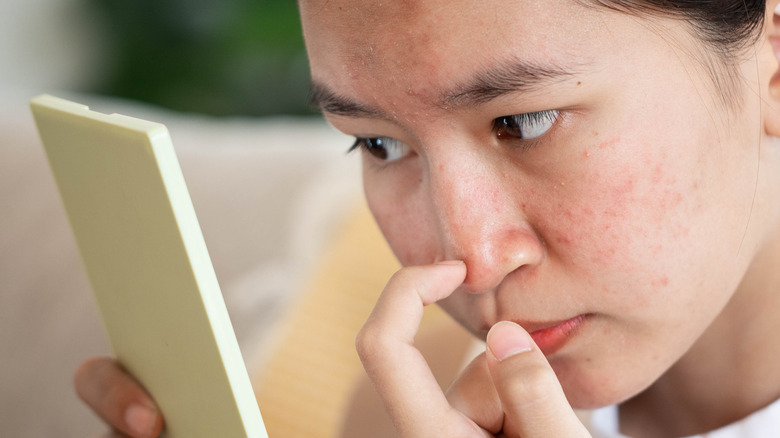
226	57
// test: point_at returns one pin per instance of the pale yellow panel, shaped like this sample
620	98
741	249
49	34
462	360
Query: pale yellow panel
149	268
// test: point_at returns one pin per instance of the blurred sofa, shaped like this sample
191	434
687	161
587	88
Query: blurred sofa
269	195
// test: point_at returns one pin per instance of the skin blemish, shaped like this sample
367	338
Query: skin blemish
563	240
661	282
609	142
623	192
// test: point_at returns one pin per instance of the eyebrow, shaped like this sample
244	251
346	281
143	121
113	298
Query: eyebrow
503	79
485	86
331	102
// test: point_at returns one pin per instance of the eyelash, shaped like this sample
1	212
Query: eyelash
505	128
542	121
391	147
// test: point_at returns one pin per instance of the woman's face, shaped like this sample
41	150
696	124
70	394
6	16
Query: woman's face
578	160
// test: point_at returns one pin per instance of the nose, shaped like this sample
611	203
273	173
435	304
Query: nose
479	205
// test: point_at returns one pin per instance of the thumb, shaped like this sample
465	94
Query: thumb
533	401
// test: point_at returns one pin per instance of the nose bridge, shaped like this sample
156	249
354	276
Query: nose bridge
481	219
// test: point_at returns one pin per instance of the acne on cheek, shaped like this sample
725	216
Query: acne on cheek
619	214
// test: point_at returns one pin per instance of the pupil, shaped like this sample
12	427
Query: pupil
508	128
376	148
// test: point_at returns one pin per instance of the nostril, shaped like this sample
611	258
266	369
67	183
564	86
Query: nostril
490	263
483	277
482	280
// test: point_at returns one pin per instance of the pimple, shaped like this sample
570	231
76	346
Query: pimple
660	282
622	192
563	240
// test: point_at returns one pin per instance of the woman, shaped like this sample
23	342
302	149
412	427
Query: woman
600	174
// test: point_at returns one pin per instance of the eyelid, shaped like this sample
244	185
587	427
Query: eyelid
551	116
382	148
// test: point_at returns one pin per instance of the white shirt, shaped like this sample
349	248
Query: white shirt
764	423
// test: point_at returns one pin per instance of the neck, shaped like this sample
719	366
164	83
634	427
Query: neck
729	373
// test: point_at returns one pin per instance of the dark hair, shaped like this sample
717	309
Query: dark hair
728	27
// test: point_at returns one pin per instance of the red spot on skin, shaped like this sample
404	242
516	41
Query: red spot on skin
564	240
661	282
609	142
625	189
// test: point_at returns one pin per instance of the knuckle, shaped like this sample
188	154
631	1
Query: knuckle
369	343
410	278
403	277
88	376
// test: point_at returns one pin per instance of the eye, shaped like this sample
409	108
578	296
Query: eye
526	126
384	148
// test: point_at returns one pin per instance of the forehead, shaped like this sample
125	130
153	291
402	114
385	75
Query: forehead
417	47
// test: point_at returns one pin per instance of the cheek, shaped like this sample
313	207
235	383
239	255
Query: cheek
403	219
619	215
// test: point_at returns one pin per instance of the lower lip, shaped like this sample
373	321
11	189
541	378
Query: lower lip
552	339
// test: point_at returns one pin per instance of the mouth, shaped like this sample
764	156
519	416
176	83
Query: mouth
550	337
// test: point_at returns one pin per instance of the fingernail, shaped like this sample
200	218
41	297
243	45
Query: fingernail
777	9
506	339
450	262
140	419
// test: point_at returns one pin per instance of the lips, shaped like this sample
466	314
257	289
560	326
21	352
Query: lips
552	337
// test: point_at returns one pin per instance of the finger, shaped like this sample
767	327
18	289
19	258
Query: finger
117	398
532	398
473	394
397	369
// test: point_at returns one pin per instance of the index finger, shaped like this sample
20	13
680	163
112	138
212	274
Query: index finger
398	370
117	398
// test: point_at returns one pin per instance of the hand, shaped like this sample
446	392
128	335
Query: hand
118	399
510	391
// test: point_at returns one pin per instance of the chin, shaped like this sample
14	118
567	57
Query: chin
596	386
